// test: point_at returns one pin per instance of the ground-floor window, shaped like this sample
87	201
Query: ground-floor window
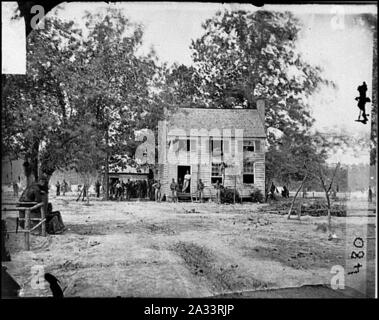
248	172
216	174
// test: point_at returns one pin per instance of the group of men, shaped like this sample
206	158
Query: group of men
125	190
285	192
176	187
61	187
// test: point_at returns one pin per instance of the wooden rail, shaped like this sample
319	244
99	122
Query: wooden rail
27	220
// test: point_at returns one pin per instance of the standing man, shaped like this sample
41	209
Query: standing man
180	184
157	187
362	100
58	187
128	189
64	187
200	190
187	179
85	191
272	191
97	187
369	194
139	189
285	192
174	193
118	190
218	191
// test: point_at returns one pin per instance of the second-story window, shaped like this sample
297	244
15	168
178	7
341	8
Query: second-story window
216	146
184	145
251	145
248	145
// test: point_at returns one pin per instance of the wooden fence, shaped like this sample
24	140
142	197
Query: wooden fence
18	206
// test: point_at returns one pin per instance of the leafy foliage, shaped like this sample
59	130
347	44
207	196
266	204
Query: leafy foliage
83	96
37	121
227	195
257	196
245	56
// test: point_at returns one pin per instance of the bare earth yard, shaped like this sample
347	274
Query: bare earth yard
147	249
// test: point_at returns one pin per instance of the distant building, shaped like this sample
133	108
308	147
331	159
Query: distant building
12	171
225	145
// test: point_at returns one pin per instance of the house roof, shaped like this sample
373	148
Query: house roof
248	120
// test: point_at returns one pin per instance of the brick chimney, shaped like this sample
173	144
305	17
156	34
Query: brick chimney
261	109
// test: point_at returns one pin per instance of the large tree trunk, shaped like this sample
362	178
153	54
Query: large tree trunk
294	198
30	169
31	164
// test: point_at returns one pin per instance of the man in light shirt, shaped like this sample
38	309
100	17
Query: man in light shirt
187	179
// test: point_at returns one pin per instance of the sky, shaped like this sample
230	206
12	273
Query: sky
331	37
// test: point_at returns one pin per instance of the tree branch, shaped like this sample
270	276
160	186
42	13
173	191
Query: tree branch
334	174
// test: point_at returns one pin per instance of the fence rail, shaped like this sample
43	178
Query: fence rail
27	219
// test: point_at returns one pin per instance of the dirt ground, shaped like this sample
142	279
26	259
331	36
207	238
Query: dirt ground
147	249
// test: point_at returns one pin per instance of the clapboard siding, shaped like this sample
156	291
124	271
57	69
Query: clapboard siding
200	159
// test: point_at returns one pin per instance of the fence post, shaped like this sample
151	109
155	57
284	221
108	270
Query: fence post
27	230
43	225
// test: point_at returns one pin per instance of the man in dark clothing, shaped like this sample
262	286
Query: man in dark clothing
273	189
200	190
36	192
180	184
127	189
144	188
369	194
97	186
58	186
54	221
362	100
285	192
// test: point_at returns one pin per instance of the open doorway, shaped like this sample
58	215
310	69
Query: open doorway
182	171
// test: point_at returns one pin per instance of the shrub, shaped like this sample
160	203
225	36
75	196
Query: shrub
257	196
227	196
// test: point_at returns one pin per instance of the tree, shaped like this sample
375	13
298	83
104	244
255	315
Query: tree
326	181
79	88
245	56
117	86
37	122
181	87
301	159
